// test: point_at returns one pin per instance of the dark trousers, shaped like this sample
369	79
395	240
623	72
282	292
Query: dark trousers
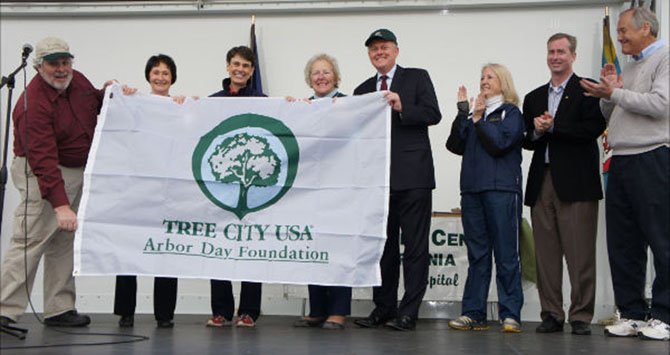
223	301
165	296
491	222
637	209
565	229
409	211
327	301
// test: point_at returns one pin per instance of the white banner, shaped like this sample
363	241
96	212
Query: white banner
256	189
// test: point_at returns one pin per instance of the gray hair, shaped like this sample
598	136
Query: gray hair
322	56
642	15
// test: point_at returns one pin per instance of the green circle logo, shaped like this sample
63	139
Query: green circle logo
246	163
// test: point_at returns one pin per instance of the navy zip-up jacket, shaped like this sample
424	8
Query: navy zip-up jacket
246	91
491	149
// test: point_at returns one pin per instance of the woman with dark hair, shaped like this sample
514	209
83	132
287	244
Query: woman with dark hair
240	66
160	72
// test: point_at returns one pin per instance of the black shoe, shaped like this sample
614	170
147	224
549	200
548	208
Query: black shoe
550	325
309	323
580	328
164	324
68	319
372	321
126	321
401	323
332	325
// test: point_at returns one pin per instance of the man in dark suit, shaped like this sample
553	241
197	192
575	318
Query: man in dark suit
411	95
563	188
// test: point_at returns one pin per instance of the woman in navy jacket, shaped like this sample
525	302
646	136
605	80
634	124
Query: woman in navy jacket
489	139
240	64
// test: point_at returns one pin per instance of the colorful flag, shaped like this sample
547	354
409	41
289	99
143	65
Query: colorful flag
609	50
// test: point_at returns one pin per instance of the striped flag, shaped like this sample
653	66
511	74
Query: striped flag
640	3
609	51
256	83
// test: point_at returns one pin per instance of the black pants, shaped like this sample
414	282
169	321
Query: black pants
165	296
327	301
409	211
637	207
223	301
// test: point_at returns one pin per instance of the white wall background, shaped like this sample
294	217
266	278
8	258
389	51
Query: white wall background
451	45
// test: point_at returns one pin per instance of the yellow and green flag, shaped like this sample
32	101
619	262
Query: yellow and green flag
609	51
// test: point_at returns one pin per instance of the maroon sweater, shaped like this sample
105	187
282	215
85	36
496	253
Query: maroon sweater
57	129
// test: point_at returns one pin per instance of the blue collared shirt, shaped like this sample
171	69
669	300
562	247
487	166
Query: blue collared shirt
554	99
555	94
649	50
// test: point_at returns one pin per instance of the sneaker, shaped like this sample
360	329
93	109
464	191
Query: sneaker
655	330
68	319
611	320
509	325
624	328
218	321
467	323
245	321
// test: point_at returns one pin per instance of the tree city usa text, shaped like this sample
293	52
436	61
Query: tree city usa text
236	233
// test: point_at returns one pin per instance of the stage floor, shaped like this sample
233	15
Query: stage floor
276	335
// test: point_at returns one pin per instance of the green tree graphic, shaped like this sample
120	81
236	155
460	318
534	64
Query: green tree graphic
247	160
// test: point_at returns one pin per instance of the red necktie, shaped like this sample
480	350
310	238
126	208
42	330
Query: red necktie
384	86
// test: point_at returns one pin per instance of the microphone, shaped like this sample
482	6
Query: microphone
27	49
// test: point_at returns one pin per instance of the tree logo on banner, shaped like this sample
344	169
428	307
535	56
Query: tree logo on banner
246	163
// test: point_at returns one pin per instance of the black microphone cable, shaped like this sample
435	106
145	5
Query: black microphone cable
132	337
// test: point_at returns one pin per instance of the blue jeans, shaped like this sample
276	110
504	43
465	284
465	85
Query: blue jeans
491	221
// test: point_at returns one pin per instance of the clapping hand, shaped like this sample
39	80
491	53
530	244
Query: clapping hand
543	123
609	80
463	95
480	106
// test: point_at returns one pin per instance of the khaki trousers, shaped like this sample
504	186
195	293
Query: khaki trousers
565	229
36	234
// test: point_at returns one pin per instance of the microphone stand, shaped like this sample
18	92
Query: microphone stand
9	81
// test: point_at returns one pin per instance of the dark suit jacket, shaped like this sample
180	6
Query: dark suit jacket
411	155
573	149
